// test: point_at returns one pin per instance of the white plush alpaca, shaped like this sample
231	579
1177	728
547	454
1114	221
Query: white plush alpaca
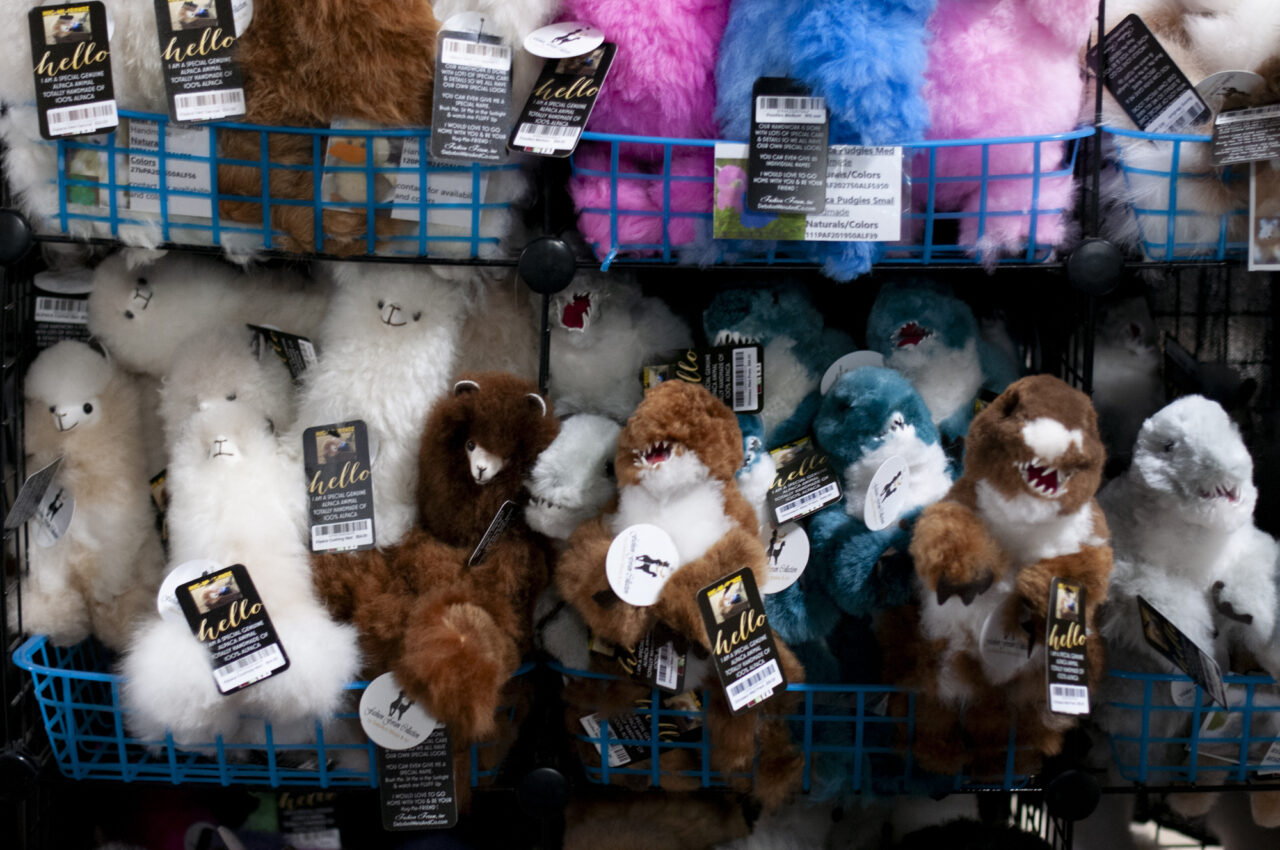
101	575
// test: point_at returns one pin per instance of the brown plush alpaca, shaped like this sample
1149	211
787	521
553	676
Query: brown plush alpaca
452	633
675	463
1022	514
306	63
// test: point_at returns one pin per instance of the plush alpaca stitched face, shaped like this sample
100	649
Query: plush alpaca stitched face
573	479
491	442
223	437
63	389
680	435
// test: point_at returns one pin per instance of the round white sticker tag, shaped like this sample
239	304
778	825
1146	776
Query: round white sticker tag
787	550
1215	88
242	14
53	516
1003	652
640	561
563	40
852	360
392	719
1183	693
184	573
887	494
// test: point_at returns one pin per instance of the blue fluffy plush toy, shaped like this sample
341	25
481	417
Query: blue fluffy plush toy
797	351
866	58
869	416
932	338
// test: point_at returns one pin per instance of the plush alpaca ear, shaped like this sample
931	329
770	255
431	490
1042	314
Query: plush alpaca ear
1009	402
465	387
537	400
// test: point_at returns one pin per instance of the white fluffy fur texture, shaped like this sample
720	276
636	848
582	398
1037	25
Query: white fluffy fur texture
501	333
235	498
573	478
680	497
144	316
386	366
596	369
102	575
1127	387
946	382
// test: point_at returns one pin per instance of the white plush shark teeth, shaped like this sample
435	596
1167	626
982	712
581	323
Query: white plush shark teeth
654	454
1045	480
733	338
539	501
1230	492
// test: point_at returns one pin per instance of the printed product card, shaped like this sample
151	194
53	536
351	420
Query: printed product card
557	110
197	49
61	306
887	494
1246	135
295	352
181	175
226	614
309	819
1264	215
472	98
864	199
787	548
1067	647
682	725
1147	83
357	168
71	60
732	373
30	496
340	486
1222	732
658	660
88	165
502	520
639	562
1168	640
787	167
451	194
416	786
742	646
804	484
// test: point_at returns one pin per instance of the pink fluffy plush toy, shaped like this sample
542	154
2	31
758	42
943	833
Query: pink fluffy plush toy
662	83
1004	68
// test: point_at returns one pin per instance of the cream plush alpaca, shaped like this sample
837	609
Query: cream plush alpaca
102	574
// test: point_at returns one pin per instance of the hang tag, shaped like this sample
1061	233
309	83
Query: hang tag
180	576
1246	135
563	40
682	725
226	614
1147	83
1182	693
787	169
61	306
849	362
553	118
295	352
501	522
1216	88
160	501
1222	732
451	195
309	819
71	61
416	787
1007	642
787	549
732	373
660	659
1181	651
887	494
53	516
742	645
340	487
640	560
392	719
181	175
472	98
197	52
242	15
1067	649
804	485
31	495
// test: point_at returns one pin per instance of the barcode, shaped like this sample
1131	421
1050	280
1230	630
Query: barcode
746	399
1069	699
1179	115
208	105
790	510
547	137
341	535
86	118
790	110
71	311
249	668
756	686
618	755
665	676
308	352
476	54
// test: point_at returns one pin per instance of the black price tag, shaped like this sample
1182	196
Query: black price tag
501	522
1181	651
557	110
416	786
339	486
787	165
803	485
227	615
742	645
472	98
71	61
1246	135
1147	83
658	660
682	725
197	51
1067	646
30	495
732	373
295	352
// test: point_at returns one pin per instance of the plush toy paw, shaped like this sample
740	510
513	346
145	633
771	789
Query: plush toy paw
64	616
1229	604
953	553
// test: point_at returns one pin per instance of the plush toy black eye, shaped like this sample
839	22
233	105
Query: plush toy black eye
471	445
381	304
1168	447
608	468
417	316
231	397
53	409
88	408
128	314
142	281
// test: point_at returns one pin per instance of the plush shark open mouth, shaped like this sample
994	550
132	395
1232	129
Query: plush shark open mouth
655	454
1222	491
575	314
912	333
1044	480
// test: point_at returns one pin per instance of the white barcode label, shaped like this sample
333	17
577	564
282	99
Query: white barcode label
786	109
308	352
665	676
250	668
208	105
69	311
1179	115
545	137
85	118
324	839
618	755
341	535
746	395
790	510
476	54
759	685
1069	699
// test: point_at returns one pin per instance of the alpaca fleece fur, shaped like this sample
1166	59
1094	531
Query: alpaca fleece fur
574	477
501	332
999	541
101	576
454	634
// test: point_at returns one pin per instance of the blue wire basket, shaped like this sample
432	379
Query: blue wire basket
1156	187
79	700
650	200
110	185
